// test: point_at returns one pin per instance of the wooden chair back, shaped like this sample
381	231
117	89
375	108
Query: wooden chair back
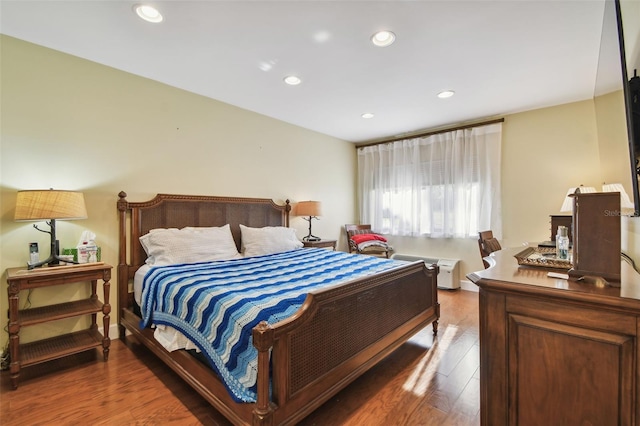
487	245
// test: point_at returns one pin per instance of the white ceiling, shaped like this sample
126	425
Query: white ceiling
499	57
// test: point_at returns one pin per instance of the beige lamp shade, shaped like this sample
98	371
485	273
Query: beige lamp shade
308	208
567	205
625	201
50	204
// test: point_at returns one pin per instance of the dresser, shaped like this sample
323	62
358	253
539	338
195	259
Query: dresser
557	352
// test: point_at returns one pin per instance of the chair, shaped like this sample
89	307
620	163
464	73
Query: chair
376	247
487	244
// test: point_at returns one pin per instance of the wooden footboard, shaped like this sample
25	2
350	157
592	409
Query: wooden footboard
338	334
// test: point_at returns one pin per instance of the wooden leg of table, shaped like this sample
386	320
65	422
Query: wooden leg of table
106	310
14	335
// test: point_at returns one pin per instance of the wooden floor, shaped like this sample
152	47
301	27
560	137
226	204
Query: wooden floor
424	382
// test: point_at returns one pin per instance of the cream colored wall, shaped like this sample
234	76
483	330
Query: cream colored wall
616	166
544	152
68	123
613	139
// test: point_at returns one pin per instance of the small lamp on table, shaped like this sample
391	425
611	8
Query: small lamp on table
312	210
49	205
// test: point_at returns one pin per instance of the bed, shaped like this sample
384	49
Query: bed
303	360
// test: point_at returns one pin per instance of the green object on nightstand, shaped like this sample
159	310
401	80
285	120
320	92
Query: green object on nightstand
74	252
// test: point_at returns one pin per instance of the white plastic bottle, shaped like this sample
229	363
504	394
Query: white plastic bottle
562	243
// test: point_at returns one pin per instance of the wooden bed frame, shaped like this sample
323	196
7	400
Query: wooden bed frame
337	334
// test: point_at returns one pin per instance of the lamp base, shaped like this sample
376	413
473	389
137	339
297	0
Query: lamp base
53	261
310	237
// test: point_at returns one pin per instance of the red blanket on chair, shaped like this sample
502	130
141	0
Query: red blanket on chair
361	238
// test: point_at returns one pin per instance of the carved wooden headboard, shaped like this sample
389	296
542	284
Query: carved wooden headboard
178	211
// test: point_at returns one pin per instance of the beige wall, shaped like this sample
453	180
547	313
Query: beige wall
72	124
613	139
544	152
68	123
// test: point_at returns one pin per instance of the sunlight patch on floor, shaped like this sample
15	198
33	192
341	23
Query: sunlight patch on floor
418	381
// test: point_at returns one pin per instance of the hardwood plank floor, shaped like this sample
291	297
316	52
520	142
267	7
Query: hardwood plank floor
424	382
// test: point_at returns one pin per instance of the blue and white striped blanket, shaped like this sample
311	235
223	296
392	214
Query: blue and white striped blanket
217	304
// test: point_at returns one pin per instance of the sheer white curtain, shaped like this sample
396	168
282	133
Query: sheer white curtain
442	186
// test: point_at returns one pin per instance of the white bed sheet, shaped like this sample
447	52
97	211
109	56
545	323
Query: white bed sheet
138	280
170	338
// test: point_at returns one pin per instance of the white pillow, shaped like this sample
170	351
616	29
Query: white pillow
189	245
268	240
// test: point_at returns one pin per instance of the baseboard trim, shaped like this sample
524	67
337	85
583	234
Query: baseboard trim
468	285
113	331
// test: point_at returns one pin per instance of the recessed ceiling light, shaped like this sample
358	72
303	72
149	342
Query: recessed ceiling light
267	65
446	94
322	36
368	115
292	80
383	38
148	13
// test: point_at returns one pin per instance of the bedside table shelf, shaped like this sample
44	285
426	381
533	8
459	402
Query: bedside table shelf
321	244
59	346
63	310
38	351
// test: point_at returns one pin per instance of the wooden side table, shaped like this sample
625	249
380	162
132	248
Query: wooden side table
321	243
66	344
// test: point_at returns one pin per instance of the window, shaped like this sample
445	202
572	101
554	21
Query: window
445	185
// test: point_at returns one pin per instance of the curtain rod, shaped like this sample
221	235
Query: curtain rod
434	132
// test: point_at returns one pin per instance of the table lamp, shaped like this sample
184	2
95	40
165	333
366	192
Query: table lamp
567	204
49	205
626	205
311	209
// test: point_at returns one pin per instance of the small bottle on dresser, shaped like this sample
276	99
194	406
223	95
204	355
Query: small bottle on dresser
562	243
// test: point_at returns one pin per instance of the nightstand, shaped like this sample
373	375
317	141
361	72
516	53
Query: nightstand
321	243
66	344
